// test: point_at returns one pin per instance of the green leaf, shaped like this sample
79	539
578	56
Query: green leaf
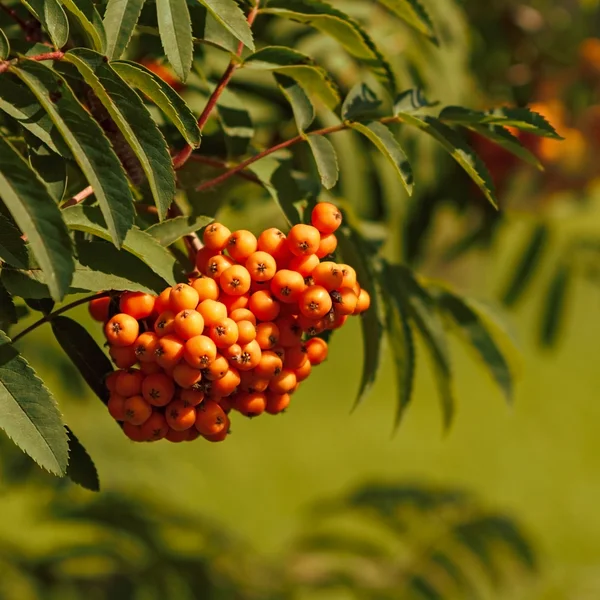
164	96
505	139
137	242
81	469
175	30
51	168
84	353
554	310
90	147
314	79
120	19
529	260
361	101
302	107
386	143
4	46
38	217
474	330
413	12
337	24
326	159
12	247
43	305
460	151
134	122
359	255
28	412
236	122
171	230
8	311
411	100
52	17
520	118
228	14
90	21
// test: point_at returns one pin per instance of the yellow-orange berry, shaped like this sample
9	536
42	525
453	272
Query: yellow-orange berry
216	236
264	305
287	285
241	245
235	280
261	266
122	330
129	383
224	333
180	416
251	404
186	376
139	305
123	356
316	350
188	323
98	308
212	311
200	351
326	217
182	297
169	351
165	323
158	389
145	345
284	382
315	302
137	410
327	245
303	239
207	288
210	418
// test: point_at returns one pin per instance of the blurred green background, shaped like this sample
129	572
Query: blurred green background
231	520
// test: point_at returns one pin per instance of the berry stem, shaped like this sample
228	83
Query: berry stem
184	154
6	64
47	318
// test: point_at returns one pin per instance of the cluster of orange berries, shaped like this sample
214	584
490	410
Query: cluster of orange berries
240	336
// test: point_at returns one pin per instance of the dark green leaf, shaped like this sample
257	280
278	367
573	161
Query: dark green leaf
164	96
387	144
133	120
554	309
43	305
175	30
90	21
235	121
8	312
168	232
460	151
4	46
302	107
361	101
411	100
474	330
137	242
28	412
120	19
52	17
51	168
528	261
520	118
84	353
414	13
90	148
12	247
326	159
81	468
38	217
228	14
359	255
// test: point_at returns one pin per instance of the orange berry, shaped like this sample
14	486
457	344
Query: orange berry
235	281
182	297
326	217
243	314
311	326
273	242
139	305
137	410
165	323
269	365
226	404
349	276
192	397
303	239
316	350
251	354
162	302
216	236
258	286
234	302
295	357
241	245
227	384
186	376
129	383
215	437
155	428
280	351
290	333
177	436
210	418
284	382
246	332
315	302
251	382
202	258
122	330
212	311
207	288
123	356
251	404
267	335
169	351
145	346
116	407
98	308
217	265
287	285
233	353
264	305
188	323
328	275
327	245
277	403
180	416
224	333
345	301
150	368
200	351
158	389
303	371
261	266
216	369
111	380
133	432
304	264
363	302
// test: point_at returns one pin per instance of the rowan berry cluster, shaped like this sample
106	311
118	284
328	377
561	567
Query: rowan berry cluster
240	336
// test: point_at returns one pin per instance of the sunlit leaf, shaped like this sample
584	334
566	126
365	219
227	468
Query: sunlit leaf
168	232
120	19
326	159
414	13
175	30
4	46
87	16
302	107
228	14
52	18
360	102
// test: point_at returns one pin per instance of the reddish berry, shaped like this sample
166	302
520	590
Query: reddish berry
210	418
180	416
316	350
251	404
137	410
158	389
98	308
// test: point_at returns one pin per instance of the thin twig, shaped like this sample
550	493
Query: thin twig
60	311
6	64
12	13
184	154
221	164
80	197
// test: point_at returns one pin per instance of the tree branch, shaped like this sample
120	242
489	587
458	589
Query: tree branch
6	64
80	197
221	164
